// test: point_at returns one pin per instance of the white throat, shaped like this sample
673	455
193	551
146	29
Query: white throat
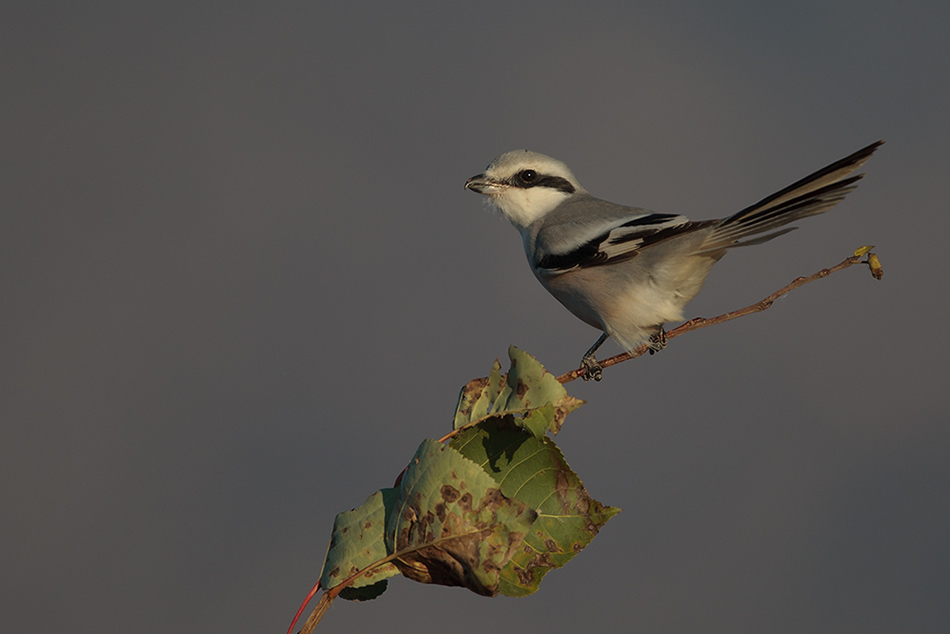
524	206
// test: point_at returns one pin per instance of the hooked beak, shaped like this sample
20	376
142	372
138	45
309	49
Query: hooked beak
480	184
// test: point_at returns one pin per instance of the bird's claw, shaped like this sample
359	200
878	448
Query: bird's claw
657	341
592	369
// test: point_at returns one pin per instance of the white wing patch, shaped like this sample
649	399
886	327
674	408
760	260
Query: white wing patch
623	239
631	235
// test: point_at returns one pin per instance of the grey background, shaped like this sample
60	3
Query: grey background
241	281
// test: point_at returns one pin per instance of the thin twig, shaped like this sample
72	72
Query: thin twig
701	322
313	591
322	606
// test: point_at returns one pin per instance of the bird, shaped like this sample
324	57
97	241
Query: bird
625	270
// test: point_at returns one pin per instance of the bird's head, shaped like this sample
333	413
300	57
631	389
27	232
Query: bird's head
525	185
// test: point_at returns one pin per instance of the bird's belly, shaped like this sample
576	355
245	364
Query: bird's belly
629	310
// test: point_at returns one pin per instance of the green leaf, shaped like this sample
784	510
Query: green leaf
357	543
478	396
526	386
452	525
532	469
539	420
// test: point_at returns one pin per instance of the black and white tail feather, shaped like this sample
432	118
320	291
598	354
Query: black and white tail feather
812	195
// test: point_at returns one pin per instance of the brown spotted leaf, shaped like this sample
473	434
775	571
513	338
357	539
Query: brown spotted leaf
357	547
478	396
452	525
527	386
531	469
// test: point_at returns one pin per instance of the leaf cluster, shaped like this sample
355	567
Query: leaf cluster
493	507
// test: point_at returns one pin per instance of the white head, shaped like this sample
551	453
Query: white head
525	185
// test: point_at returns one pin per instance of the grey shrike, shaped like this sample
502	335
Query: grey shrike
624	270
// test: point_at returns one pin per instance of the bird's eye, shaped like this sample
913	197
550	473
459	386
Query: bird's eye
528	176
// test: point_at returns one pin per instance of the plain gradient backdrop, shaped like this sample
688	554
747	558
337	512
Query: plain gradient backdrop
240	281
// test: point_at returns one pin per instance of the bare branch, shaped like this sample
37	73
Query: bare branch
322	606
700	322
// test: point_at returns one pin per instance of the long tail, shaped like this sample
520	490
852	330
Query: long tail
811	195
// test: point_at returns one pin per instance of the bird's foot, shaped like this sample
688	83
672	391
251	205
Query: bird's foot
657	341
592	369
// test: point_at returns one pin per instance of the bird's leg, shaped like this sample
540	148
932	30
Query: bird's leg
658	340
589	363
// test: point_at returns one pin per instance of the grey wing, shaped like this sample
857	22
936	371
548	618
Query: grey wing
585	242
